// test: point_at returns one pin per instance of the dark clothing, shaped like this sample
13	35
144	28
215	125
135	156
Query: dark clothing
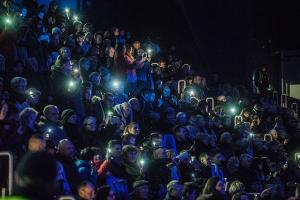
57	132
93	139
113	168
71	172
86	172
74	133
158	172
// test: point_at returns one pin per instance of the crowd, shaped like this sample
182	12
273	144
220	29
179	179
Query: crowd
95	114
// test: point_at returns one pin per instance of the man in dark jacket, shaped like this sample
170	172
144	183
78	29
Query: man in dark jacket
50	126
158	172
66	153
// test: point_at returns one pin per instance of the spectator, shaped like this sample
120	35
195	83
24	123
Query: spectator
50	126
65	155
86	191
32	181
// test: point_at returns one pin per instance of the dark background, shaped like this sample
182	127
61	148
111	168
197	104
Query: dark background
231	38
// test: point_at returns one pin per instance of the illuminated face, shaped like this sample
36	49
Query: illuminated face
87	192
137	45
135	130
111	52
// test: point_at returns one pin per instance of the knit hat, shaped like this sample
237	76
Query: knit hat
139	183
66	114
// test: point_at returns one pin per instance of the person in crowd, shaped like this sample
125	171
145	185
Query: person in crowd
69	120
140	190
92	137
130	159
31	180
102	107
17	99
66	155
113	165
85	165
124	112
50	126
86	191
158	172
36	143
28	118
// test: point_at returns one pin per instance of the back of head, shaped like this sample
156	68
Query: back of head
36	143
35	174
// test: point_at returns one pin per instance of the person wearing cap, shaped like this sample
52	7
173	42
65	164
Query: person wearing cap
140	190
70	120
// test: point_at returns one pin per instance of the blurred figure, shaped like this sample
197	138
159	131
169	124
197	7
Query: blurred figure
86	191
